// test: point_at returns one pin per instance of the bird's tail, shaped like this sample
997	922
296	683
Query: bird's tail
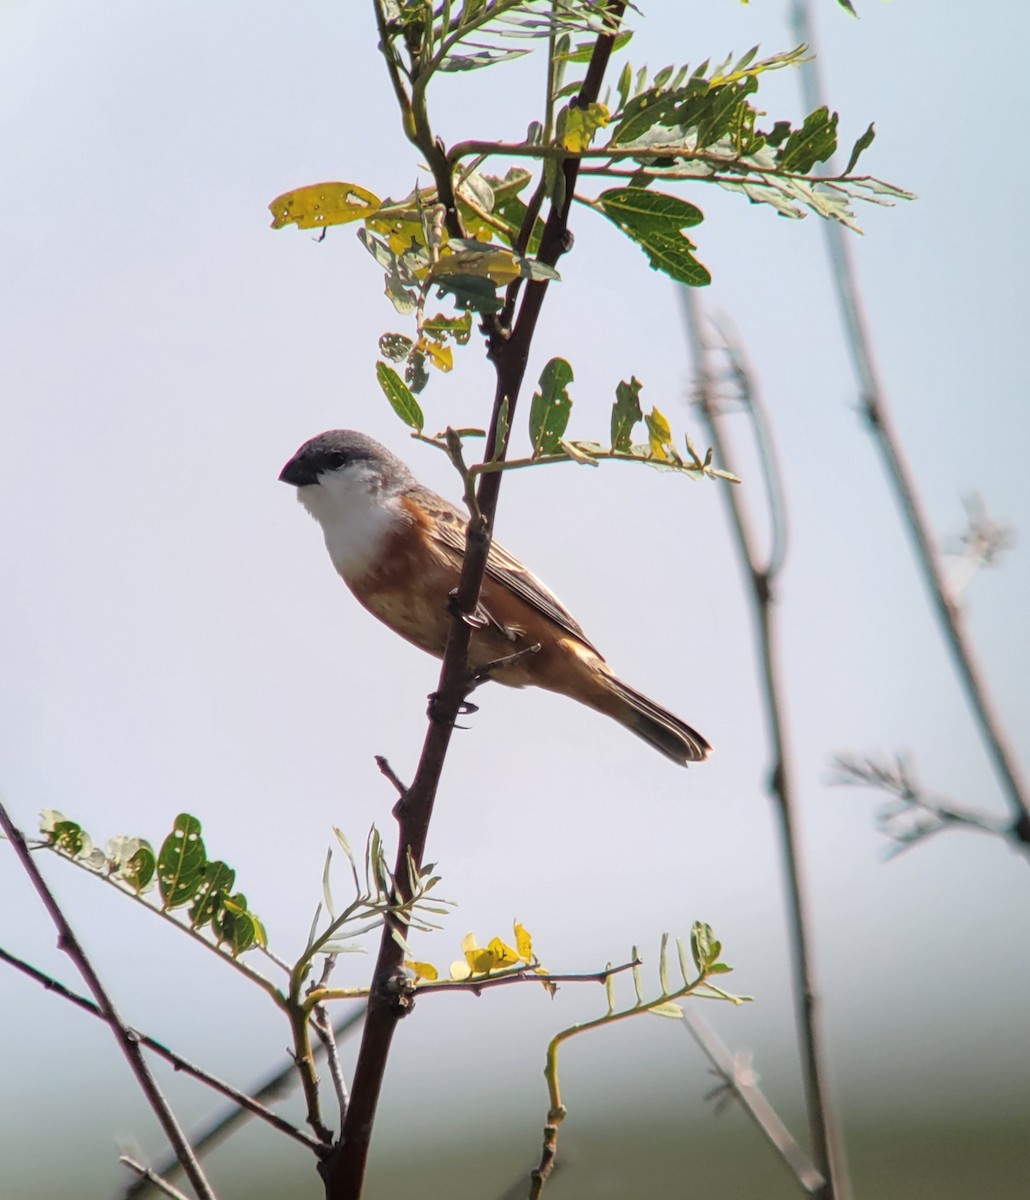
656	725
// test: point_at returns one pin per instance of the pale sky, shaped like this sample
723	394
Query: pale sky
175	638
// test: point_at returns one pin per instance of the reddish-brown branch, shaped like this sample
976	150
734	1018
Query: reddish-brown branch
343	1171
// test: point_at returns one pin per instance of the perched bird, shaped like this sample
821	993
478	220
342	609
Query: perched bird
399	548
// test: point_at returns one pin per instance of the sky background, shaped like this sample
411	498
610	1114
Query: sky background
174	637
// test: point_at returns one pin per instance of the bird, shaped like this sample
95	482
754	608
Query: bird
399	547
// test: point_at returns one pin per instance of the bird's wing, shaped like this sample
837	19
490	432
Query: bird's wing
449	529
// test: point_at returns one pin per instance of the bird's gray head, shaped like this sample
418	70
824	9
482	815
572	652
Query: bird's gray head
339	452
352	486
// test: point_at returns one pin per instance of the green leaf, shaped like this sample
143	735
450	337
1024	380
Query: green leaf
180	864
470	291
400	397
626	413
814	142
654	221
700	940
401	284
415	374
669	1009
624	85
70	838
482	58
210	896
863	143
644	209
583	52
503	425
673	255
551	407
238	927
442	327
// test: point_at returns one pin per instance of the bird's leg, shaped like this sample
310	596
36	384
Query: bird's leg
487	671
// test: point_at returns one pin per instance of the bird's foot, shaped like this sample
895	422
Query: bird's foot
465	709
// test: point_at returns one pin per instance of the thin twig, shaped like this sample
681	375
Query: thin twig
126	1038
523	975
323	1027
147	1176
742	1085
762	575
876	410
272	1088
912	815
176	1060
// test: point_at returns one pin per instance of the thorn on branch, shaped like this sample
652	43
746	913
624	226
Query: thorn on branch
388	771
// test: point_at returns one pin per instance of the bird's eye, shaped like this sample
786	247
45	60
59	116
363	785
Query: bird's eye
337	460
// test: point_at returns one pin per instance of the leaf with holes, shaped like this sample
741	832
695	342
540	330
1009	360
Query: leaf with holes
321	204
181	862
210	896
550	408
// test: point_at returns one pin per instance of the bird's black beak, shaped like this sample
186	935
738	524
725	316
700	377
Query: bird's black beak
299	471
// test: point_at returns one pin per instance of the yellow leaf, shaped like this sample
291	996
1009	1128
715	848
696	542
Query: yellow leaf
442	357
481	961
669	1009
503	953
460	971
322	204
422	970
581	124
498	265
659	434
523	942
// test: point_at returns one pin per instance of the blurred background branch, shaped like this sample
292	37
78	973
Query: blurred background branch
874	406
762	571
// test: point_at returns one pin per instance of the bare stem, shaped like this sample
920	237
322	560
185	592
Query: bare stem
762	577
126	1038
876	410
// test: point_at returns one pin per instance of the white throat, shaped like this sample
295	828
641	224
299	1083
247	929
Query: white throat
356	515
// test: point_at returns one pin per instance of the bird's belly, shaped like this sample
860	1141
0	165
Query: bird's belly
422	615
417	614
